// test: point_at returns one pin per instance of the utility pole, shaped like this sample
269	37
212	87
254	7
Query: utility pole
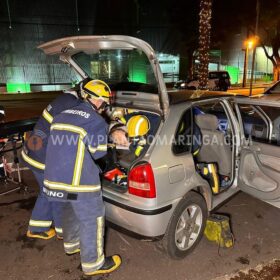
245	66
255	46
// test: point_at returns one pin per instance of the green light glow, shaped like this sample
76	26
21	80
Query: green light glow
233	73
17	87
137	69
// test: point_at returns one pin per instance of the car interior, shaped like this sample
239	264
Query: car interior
261	123
212	145
116	163
216	145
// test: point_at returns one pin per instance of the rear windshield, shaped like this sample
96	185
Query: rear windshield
121	69
218	75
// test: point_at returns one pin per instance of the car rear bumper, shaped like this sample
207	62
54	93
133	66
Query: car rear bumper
148	223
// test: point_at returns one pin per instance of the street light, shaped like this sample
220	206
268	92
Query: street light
249	44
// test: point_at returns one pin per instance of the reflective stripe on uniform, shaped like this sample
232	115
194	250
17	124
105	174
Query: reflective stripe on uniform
32	162
79	163
58	230
99	236
213	171
80	151
89	267
72	248
102	148
196	152
138	150
69	127
47	116
71	245
34	223
71	188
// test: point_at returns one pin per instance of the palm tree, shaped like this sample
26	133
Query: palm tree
204	41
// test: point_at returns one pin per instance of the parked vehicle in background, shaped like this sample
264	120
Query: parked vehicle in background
217	80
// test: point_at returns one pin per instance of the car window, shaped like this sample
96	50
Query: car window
273	114
261	123
216	109
183	136
121	69
213	75
218	75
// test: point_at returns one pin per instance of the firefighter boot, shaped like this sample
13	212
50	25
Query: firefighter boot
111	264
41	235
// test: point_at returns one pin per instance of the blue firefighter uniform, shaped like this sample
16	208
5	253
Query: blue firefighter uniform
34	155
78	137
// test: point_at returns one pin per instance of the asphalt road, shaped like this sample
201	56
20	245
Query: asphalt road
25	106
255	227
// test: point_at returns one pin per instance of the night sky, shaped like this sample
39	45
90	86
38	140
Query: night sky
131	17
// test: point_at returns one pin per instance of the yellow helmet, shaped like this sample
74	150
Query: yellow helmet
138	125
96	89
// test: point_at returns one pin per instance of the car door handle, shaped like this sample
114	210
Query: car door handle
252	148
255	149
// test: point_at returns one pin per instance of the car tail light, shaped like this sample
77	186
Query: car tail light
141	181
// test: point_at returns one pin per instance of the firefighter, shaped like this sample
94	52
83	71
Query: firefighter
138	127
79	137
45	213
133	129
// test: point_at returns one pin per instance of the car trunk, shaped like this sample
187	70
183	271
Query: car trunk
123	159
131	69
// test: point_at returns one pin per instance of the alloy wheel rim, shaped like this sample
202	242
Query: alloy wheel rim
188	227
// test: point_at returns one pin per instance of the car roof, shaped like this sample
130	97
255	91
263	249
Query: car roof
271	97
271	87
180	96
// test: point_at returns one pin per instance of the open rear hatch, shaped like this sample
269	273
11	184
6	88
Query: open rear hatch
129	65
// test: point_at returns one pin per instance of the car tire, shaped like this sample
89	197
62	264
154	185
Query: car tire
191	88
192	204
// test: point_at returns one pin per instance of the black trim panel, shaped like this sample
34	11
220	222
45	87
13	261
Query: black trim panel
137	210
132	233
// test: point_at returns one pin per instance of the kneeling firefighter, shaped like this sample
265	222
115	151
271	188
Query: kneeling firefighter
132	129
79	137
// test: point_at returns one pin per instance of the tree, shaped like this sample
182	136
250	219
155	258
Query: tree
204	41
270	36
269	33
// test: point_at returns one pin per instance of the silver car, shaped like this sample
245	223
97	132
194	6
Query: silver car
167	195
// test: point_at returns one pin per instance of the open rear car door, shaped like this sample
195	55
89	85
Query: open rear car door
259	169
129	65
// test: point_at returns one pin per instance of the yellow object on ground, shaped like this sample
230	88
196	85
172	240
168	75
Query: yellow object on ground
218	230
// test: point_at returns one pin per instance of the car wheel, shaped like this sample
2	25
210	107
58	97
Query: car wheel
225	88
186	226
191	88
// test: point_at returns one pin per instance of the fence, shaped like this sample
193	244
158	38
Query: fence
38	74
